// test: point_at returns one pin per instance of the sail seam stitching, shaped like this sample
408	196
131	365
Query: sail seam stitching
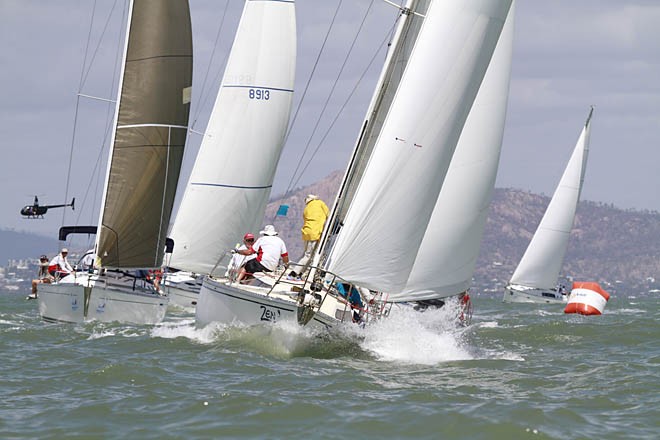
230	186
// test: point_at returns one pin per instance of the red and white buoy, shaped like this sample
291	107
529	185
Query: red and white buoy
587	298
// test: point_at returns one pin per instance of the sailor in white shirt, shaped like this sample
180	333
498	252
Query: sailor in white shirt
59	266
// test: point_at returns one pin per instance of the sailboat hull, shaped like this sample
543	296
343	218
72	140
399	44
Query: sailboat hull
221	302
182	288
523	294
85	298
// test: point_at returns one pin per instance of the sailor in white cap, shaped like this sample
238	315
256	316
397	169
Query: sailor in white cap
269	248
59	267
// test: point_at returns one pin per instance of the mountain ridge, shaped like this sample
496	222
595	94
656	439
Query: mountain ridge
607	244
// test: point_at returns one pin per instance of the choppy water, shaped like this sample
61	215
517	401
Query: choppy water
519	371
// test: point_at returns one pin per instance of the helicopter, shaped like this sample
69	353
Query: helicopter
37	211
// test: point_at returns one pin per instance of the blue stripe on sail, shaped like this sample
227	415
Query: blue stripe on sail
221	185
259	87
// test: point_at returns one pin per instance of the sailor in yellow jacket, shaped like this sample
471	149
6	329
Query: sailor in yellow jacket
314	217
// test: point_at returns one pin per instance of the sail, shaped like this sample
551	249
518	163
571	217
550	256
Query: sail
448	253
231	180
397	59
150	132
388	216
542	261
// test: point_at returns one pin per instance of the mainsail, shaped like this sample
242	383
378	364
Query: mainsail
149	137
231	181
395	197
395	64
542	261
448	253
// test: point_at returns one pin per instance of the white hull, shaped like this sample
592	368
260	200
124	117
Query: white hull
182	289
90	297
222	302
522	294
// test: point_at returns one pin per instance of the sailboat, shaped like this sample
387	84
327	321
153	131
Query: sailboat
231	180
150	127
433	73
535	278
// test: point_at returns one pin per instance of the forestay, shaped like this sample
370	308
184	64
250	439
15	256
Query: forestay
387	219
542	261
231	181
149	137
448	253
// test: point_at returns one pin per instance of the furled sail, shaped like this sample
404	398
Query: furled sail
448	253
388	216
542	261
150	133
231	180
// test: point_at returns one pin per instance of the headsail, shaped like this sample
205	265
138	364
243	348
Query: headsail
542	261
150	133
388	217
448	253
229	187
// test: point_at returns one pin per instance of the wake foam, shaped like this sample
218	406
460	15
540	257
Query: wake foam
413	337
185	328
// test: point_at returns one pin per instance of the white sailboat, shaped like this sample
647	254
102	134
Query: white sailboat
232	177
535	278
432	75
151	122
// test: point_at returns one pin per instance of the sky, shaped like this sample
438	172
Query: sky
568	55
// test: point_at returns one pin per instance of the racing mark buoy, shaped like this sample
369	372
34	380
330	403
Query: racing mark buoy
587	298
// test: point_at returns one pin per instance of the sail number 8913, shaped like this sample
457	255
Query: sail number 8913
259	94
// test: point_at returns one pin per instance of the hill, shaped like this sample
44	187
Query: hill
607	244
19	245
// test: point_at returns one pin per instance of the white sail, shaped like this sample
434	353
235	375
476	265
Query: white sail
542	261
448	253
231	180
387	220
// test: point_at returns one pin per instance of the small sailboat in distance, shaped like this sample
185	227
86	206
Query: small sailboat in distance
535	278
151	123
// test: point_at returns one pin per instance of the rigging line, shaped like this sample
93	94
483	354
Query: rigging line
96	50
109	116
163	200
80	85
350	95
89	39
96	175
330	94
203	91
309	81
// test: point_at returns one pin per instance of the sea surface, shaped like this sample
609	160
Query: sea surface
518	371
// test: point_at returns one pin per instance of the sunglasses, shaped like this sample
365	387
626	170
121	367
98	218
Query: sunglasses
249	239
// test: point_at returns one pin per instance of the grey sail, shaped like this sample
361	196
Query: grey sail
150	133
